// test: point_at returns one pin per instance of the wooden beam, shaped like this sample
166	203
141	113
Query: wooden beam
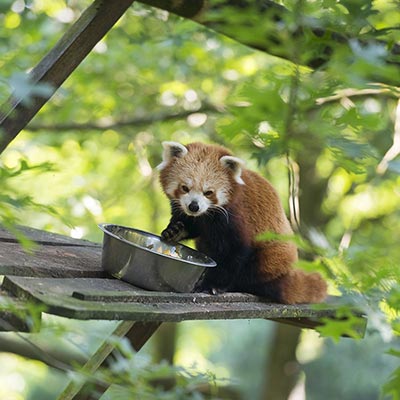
141	332
97	359
137	332
59	63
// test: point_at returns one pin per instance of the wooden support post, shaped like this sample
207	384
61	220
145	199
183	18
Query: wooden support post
59	63
141	332
137	332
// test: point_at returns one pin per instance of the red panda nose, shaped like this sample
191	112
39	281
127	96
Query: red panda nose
194	206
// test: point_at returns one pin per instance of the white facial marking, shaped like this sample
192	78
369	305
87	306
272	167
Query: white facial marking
222	197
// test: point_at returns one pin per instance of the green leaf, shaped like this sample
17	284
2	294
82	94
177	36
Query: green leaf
394	352
346	323
392	387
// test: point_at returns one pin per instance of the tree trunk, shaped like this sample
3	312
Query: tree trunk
282	368
165	342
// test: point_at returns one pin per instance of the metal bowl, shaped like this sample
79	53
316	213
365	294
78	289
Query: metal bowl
144	260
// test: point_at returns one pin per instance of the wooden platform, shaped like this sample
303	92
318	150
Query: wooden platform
65	276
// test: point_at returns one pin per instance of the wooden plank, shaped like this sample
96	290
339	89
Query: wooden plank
57	294
97	293
51	261
42	237
59	63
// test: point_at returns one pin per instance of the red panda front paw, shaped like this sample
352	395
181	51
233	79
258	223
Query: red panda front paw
174	232
214	291
210	290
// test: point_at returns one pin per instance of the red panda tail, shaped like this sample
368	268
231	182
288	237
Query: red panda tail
298	286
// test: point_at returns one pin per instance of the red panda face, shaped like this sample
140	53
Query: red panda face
199	177
195	198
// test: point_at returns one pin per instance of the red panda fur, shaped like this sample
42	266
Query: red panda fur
252	206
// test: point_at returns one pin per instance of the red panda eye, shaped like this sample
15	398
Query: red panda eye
185	188
208	193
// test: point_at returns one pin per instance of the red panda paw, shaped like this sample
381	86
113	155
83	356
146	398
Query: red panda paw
209	289
174	232
214	291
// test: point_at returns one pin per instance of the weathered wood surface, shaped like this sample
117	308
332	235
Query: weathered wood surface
59	63
43	237
54	261
54	256
112	299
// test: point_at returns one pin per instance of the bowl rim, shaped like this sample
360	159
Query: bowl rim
103	227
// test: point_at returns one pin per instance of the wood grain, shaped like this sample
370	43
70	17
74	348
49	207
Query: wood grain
50	261
42	237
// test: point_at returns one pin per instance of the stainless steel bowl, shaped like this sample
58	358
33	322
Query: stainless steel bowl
144	260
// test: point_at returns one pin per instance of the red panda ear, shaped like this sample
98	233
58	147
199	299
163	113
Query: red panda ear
171	150
235	165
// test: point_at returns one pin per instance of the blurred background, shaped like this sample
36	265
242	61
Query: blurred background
328	138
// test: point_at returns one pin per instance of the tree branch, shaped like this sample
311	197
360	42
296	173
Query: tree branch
269	16
137	121
52	354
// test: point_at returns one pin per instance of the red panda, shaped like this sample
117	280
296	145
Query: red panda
224	207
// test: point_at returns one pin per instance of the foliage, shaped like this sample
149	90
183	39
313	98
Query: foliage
11	202
327	132
135	376
349	357
337	124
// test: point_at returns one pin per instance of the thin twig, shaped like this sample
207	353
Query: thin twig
350	92
394	150
294	183
345	241
292	110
